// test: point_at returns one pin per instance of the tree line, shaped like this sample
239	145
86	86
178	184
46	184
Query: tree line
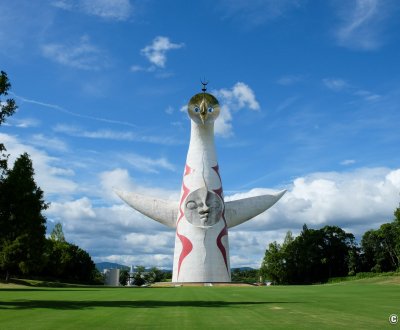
317	255
24	248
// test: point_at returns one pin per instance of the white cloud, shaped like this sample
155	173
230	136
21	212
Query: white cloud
156	53
367	95
348	162
71	113
355	200
81	55
335	84
169	110
50	172
359	198
240	96
114	135
146	164
289	80
23	122
46	142
118	10
363	22
341	85
99	134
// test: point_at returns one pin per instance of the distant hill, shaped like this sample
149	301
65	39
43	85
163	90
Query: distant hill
104	265
242	268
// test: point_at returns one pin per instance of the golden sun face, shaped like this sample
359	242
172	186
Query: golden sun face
203	108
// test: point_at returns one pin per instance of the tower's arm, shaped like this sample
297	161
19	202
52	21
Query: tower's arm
161	210
241	210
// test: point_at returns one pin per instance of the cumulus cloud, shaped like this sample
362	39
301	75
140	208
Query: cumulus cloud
50	172
156	52
239	97
118	10
116	233
355	200
362	197
80	55
362	23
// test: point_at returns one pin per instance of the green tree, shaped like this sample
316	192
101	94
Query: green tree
22	236
139	276
273	266
123	277
57	234
381	247
313	256
66	261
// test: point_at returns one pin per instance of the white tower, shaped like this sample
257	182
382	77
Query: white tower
201	218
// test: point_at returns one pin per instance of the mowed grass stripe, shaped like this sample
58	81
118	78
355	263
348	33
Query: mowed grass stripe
357	305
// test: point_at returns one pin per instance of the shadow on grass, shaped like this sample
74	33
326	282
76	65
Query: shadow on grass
88	304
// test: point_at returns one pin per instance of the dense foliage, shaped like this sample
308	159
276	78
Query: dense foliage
319	254
22	224
66	261
313	256
381	247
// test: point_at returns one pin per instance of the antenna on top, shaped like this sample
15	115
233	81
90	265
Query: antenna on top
204	83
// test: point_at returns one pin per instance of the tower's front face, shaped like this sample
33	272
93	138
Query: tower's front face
201	243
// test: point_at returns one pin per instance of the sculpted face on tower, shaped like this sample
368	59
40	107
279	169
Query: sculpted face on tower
203	108
203	208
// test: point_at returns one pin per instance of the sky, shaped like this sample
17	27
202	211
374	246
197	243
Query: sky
310	102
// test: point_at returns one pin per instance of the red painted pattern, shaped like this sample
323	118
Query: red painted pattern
188	170
218	192
224	230
221	246
187	245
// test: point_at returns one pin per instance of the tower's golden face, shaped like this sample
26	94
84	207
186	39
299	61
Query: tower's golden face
203	108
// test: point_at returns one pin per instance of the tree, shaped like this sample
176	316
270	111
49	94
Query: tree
22	236
273	266
139	276
123	277
66	261
57	234
313	256
381	247
7	108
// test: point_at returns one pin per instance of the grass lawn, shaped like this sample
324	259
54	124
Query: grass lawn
361	304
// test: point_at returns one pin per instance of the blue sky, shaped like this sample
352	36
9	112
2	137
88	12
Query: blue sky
310	94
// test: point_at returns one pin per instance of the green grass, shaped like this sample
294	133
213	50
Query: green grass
360	304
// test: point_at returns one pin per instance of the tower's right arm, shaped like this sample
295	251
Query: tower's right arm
241	210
